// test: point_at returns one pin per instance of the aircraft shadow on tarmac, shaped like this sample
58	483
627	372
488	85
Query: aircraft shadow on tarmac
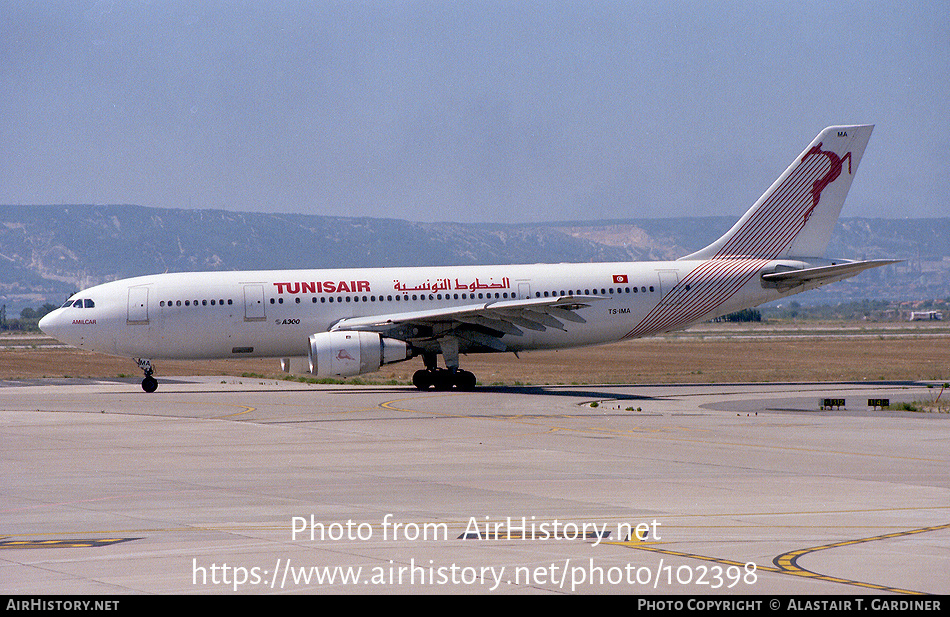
583	392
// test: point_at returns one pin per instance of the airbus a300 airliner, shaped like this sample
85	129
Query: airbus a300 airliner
349	322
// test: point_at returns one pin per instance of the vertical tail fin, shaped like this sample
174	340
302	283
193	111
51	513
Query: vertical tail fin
796	216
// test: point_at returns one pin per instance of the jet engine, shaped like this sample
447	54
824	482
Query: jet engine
345	354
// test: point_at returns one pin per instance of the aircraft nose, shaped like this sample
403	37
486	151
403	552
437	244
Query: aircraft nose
50	324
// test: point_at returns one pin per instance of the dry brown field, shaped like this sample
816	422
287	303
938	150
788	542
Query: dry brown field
711	353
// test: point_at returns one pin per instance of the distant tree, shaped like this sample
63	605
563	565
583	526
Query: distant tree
29	318
745	315
38	313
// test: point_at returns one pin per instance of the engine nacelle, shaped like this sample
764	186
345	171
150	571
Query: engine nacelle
345	354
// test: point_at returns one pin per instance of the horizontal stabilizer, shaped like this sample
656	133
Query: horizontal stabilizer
823	274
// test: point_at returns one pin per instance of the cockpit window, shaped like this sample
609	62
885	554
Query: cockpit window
80	303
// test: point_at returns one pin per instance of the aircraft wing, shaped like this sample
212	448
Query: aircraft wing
481	324
823	274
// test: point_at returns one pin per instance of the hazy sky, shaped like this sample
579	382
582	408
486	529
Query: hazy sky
467	111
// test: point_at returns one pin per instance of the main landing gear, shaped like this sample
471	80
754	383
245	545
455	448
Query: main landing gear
444	379
433	377
149	384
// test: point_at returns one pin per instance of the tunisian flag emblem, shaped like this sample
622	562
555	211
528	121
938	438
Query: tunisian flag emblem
620	279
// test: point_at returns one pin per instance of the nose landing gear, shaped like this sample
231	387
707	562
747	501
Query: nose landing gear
149	384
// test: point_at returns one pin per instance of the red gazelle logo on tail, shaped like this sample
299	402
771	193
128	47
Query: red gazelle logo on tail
828	178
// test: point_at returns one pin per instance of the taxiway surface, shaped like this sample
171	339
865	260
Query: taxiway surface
238	485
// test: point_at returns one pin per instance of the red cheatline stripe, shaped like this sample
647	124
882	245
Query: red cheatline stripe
795	203
782	212
664	311
761	238
779	218
771	242
774	214
710	291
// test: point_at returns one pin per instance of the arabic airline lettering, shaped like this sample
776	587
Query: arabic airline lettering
352	321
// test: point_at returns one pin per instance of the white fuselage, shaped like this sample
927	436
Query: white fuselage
272	313
351	321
